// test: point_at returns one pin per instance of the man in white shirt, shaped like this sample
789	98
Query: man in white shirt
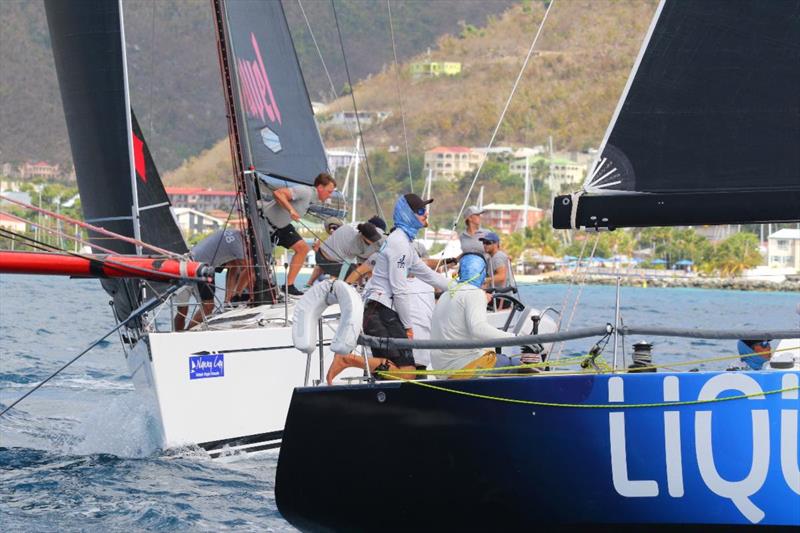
461	314
290	204
388	311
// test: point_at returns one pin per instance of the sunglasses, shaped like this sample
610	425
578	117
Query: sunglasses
422	211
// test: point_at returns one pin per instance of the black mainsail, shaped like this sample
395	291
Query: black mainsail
276	121
119	185
270	120
708	128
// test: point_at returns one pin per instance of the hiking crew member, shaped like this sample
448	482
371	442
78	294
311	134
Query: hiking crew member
499	265
223	249
388	311
461	314
290	204
348	244
469	237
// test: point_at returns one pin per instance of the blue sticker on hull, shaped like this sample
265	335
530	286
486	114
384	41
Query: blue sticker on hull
207	366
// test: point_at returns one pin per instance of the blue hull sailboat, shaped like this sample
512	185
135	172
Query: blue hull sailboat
706	132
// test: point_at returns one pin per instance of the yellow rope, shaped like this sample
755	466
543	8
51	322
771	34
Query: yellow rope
588	406
565	362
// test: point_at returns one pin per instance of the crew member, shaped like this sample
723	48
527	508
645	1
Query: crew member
461	314
223	250
388	311
472	231
290	204
348	245
499	265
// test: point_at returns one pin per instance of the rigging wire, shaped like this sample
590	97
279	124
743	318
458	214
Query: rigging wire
355	110
319	51
503	114
400	95
145	307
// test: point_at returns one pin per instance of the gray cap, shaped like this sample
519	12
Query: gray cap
472	210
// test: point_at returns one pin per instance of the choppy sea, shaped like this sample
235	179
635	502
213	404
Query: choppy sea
79	454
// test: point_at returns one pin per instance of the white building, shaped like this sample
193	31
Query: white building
192	221
783	249
341	157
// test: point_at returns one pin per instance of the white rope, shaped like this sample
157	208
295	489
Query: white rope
400	95
503	114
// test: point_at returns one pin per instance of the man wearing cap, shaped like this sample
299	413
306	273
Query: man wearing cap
500	275
388	311
469	237
290	204
348	245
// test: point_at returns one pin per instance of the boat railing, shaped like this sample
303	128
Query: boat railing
580	333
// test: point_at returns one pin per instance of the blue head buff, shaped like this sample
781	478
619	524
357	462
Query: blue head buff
405	219
472	269
755	362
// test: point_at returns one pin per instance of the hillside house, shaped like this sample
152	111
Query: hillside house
434	69
199	199
40	169
341	157
193	222
561	172
365	118
449	162
508	218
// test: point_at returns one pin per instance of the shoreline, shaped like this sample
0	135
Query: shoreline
628	280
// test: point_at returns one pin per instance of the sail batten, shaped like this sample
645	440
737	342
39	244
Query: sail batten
712	108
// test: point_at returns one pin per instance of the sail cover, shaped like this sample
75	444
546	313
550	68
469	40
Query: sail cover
105	139
708	128
273	108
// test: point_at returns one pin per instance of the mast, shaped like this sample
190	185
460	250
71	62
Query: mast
355	178
246	192
527	194
137	228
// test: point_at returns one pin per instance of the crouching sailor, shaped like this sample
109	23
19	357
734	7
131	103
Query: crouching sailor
388	310
461	314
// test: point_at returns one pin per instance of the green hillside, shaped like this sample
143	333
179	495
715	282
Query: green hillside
173	69
568	91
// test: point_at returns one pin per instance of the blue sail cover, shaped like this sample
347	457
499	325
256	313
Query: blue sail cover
276	121
708	129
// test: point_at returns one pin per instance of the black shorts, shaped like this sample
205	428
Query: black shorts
331	268
380	321
206	291
286	236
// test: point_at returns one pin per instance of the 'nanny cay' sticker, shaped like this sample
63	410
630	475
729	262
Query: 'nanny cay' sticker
207	366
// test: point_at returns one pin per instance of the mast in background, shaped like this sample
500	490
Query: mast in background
355	178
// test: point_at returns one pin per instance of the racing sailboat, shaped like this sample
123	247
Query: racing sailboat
224	386
706	132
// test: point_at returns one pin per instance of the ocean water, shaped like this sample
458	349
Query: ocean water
79	454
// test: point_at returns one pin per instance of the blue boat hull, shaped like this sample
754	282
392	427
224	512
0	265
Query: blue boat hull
405	456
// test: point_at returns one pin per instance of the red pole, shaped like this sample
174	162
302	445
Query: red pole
107	266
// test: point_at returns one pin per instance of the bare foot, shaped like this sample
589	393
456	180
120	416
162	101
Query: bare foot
340	362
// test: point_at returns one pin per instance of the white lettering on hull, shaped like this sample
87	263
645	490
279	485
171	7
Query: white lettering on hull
740	491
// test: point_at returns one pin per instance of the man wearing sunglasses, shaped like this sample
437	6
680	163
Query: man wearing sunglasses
388	310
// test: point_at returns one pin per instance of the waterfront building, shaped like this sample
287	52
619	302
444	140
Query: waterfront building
783	249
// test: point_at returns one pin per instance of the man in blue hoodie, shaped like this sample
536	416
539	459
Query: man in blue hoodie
388	310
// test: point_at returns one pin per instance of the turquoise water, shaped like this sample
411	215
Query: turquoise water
79	453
